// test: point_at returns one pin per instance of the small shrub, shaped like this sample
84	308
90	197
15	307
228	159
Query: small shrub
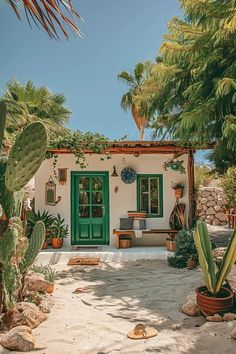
47	271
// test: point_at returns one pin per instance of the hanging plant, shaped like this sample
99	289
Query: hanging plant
128	175
78	143
174	165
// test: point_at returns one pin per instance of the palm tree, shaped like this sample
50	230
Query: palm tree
48	14
26	104
130	100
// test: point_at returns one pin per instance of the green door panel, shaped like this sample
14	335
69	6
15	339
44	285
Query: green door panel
90	208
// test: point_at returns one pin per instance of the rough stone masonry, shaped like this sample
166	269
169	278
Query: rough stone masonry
211	205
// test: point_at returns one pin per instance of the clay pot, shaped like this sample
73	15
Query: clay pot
125	243
56	242
209	305
179	193
191	263
50	288
170	245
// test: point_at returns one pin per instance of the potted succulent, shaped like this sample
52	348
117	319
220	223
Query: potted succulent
178	187
213	297
59	231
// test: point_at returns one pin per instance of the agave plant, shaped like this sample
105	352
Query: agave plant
33	217
214	277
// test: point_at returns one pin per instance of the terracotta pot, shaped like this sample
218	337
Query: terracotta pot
125	243
170	245
45	245
191	264
179	193
209	306
56	242
50	288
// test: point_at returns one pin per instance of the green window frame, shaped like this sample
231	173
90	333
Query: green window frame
150	194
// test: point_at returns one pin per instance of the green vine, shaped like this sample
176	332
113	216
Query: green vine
77	143
174	165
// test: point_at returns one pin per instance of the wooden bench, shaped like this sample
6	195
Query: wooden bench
119	233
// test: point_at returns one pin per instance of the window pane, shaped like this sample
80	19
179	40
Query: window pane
144	203
97	211
97	198
144	184
84	198
97	183
154	187
83	183
84	211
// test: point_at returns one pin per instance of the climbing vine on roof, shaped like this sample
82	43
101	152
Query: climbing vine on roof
78	142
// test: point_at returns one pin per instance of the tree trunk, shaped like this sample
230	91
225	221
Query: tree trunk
142	132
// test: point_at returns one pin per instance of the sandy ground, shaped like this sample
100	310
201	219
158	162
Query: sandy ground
119	297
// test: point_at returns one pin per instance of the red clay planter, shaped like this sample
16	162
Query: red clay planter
210	305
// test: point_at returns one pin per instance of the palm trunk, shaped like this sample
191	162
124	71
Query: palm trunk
142	132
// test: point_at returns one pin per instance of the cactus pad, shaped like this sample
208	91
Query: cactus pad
35	244
26	156
3	111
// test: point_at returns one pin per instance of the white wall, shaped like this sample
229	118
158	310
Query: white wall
122	201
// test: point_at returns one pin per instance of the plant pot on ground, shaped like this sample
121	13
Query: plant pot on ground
125	242
192	262
214	297
59	231
170	245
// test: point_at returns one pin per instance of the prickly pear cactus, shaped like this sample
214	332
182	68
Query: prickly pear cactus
26	156
35	244
11	284
3	111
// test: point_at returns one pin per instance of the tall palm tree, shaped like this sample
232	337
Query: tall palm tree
48	14
130	100
26	104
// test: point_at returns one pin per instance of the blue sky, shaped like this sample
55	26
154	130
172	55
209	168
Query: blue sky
117	35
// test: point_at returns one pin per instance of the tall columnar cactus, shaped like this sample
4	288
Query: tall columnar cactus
214	277
17	255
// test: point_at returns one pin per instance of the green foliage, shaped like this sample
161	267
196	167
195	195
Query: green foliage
49	273
78	143
33	217
177	185
202	175
214	277
185	249
190	93
27	104
59	228
174	165
228	183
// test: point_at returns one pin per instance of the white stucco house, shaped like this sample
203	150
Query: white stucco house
92	200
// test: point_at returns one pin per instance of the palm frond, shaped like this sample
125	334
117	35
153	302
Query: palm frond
51	15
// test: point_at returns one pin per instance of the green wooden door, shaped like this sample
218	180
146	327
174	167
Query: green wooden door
90	208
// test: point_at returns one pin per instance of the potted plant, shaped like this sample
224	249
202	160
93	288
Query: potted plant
192	262
178	187
213	297
185	250
59	231
170	244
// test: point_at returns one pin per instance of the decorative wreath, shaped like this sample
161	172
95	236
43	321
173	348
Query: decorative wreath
128	175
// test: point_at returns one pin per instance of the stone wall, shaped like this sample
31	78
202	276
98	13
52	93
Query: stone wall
210	205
